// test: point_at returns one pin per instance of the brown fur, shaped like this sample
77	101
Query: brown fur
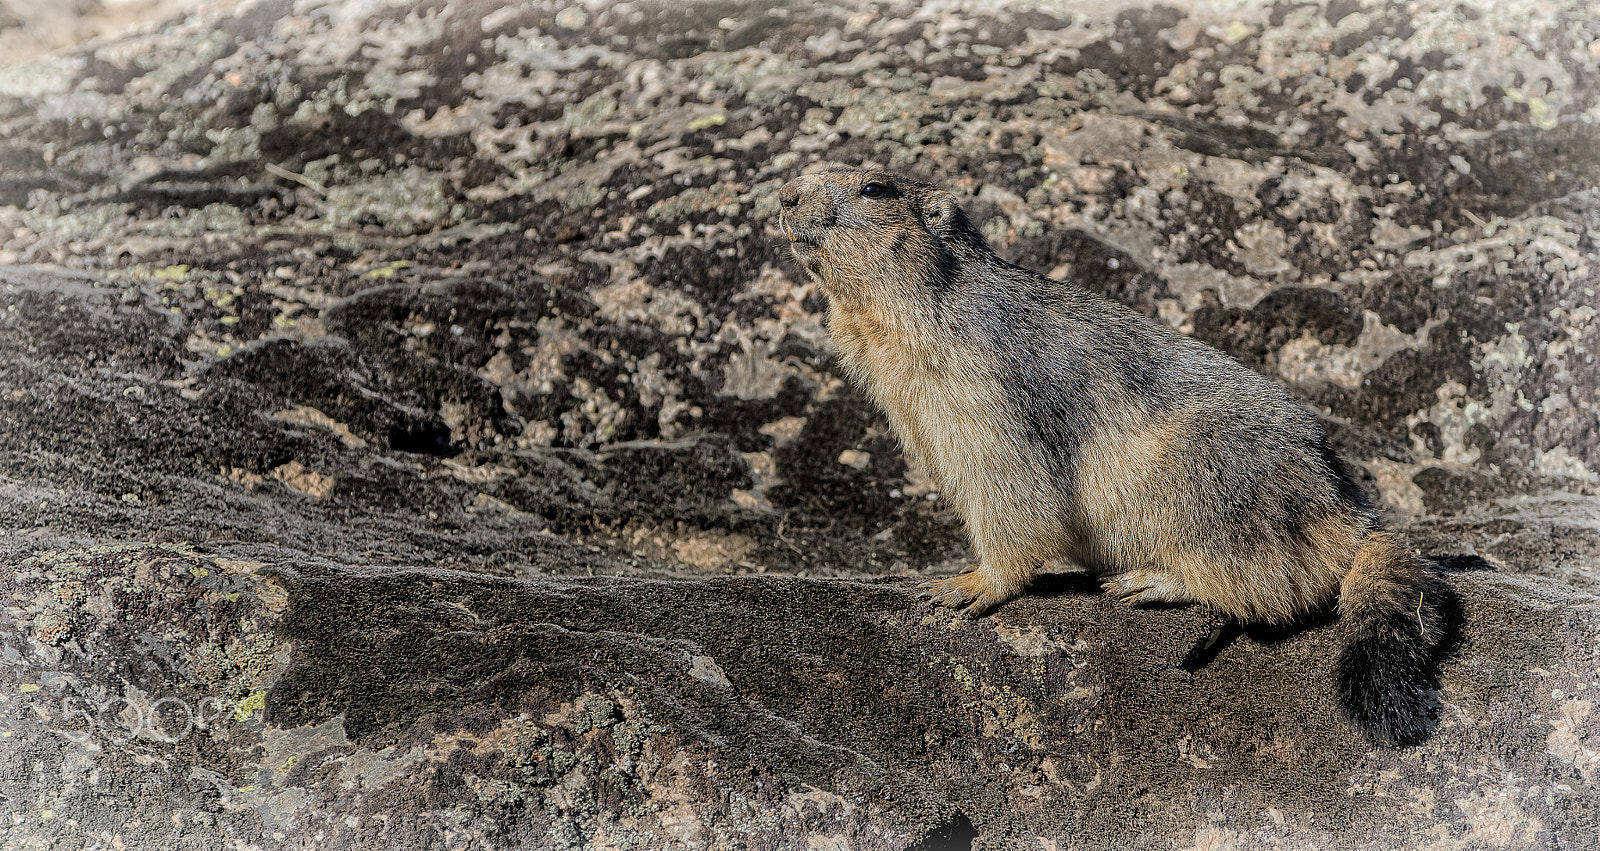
942	407
1061	426
1384	580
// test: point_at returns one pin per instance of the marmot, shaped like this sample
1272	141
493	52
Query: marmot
1064	426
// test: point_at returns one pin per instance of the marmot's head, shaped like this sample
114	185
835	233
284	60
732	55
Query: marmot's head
865	232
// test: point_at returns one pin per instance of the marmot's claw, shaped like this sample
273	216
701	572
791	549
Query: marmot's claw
966	590
944	592
1144	587
981	607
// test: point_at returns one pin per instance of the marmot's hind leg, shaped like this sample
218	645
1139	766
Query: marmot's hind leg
1141	587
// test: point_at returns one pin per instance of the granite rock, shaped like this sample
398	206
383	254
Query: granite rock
414	434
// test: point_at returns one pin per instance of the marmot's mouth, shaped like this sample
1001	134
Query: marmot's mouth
799	235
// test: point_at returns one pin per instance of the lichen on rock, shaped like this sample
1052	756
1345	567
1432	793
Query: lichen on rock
415	432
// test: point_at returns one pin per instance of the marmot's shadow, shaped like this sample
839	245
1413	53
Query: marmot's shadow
1450	624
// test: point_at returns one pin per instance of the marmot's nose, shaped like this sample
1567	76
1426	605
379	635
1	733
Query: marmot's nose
788	196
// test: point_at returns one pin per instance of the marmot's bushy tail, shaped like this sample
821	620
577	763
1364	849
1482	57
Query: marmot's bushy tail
1394	605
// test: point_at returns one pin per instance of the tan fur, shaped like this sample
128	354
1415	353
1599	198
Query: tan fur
1282	583
1065	428
1127	517
1129	521
1118	521
1381	582
942	408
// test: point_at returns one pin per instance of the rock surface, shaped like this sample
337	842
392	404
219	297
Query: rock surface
30	29
399	403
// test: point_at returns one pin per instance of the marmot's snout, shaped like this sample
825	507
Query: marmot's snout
805	209
789	195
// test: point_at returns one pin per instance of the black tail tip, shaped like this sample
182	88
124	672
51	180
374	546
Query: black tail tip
1389	673
1390	692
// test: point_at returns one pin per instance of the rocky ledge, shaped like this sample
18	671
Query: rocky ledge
412	433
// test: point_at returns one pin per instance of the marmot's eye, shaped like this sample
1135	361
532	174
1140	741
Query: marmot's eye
876	190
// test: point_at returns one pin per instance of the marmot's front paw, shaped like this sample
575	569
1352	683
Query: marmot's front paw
971	587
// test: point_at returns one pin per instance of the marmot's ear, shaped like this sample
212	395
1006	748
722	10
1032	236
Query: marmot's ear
939	208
